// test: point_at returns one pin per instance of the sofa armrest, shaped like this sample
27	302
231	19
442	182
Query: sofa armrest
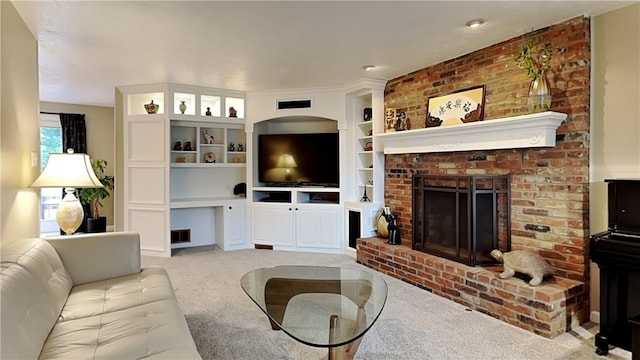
93	257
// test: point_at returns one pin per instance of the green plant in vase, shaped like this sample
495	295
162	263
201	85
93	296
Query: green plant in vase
94	196
536	59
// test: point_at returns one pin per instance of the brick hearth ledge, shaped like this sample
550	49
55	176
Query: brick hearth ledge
548	309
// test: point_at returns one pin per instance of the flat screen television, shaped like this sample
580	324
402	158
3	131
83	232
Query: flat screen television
311	159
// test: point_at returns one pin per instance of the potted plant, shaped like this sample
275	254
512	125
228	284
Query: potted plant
536	59
92	197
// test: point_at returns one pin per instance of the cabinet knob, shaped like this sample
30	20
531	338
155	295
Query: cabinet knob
290	209
230	207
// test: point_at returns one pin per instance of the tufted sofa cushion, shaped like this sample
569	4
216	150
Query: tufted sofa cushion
34	287
130	317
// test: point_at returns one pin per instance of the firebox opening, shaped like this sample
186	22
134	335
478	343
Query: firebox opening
461	218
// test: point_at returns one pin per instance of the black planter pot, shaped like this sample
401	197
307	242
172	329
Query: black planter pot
97	225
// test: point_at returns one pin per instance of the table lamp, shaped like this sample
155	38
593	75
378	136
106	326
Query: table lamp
70	171
286	162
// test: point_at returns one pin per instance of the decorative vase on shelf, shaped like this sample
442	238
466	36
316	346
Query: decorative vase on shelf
151	108
539	94
182	107
382	224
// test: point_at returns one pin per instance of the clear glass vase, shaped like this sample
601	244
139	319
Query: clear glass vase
539	94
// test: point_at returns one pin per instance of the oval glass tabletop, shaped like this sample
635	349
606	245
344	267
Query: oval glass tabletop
316	305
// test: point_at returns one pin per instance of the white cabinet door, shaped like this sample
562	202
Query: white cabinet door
318	226
146	182
235	223
272	224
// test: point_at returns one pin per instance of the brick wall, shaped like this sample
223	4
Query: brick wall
549	186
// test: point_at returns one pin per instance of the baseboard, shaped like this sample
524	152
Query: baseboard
351	252
595	317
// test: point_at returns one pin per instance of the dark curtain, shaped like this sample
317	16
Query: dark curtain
74	132
74	136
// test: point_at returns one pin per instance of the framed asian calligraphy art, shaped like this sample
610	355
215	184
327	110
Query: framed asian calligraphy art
456	108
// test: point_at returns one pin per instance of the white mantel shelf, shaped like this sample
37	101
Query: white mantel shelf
524	131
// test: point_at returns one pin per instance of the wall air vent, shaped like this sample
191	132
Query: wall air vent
293	104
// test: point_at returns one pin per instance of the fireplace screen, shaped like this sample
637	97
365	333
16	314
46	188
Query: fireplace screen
461	218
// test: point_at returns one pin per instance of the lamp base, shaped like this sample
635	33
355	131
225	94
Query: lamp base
70	214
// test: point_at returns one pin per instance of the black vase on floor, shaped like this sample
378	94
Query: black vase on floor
97	225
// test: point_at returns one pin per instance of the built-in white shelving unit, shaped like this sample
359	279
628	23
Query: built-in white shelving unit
365	108
302	218
175	177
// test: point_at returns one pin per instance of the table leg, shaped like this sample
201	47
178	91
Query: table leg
347	351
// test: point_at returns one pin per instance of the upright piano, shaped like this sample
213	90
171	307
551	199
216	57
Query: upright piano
617	253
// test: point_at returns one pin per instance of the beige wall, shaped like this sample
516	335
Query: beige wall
615	127
100	139
19	133
119	169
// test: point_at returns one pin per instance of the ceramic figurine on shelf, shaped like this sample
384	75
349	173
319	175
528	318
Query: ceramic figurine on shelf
208	113
207	137
177	146
365	197
210	158
240	190
367	114
232	147
187	146
401	124
182	107
240	147
233	112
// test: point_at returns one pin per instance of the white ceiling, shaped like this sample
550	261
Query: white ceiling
87	48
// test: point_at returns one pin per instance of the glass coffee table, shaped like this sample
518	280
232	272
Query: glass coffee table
319	306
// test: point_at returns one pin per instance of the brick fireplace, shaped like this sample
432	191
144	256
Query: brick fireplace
549	185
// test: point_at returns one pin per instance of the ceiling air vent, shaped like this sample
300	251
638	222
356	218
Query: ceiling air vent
293	104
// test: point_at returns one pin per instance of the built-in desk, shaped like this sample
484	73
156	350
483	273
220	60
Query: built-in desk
213	220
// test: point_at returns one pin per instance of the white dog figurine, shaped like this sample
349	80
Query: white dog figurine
207	137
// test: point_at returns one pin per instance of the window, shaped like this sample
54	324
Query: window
50	142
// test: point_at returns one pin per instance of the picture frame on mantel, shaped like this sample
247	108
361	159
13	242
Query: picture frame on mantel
455	108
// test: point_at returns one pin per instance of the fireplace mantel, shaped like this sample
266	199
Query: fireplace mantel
523	131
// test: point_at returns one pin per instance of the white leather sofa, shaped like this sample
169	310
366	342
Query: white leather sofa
86	297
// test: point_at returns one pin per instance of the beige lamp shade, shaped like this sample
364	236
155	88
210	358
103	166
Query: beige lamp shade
286	161
70	171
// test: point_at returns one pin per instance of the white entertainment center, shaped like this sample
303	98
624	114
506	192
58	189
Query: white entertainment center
171	189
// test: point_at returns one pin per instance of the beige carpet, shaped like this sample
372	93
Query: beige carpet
414	324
